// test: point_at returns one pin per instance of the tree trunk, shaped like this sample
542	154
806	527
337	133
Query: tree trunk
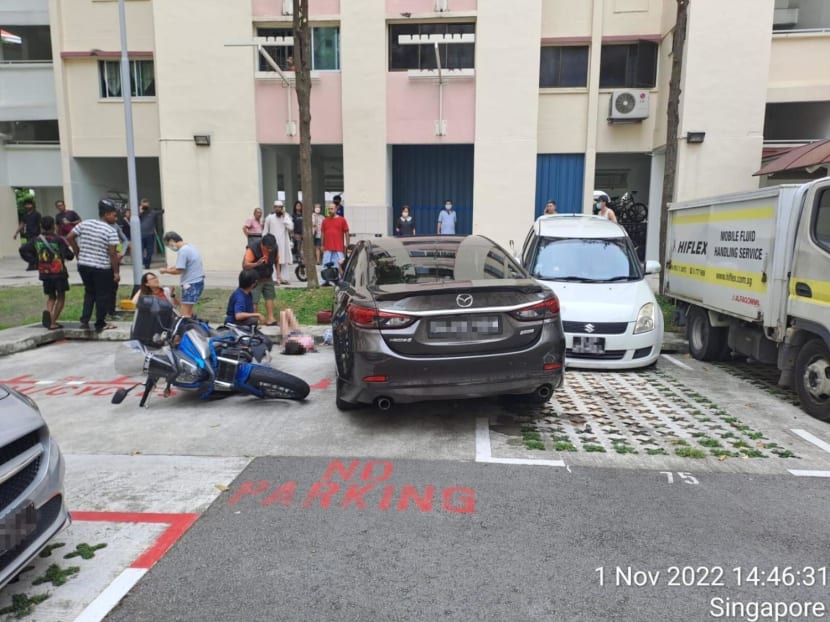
302	69
672	126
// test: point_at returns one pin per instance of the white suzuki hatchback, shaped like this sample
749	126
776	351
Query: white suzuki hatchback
609	313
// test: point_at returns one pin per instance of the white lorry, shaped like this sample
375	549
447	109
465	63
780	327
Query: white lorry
752	272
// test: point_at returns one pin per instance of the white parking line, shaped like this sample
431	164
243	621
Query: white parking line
484	452
815	440
111	596
671	359
806	473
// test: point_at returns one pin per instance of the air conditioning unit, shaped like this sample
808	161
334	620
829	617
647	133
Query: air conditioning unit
628	105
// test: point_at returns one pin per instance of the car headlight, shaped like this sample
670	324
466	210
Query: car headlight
645	319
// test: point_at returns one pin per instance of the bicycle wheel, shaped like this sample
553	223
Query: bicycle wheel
275	384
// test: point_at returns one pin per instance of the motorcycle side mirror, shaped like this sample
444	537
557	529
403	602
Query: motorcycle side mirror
119	396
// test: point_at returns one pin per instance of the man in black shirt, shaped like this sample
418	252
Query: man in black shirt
66	219
29	225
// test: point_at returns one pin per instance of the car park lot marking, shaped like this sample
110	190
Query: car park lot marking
484	451
808	473
639	419
674	361
811	438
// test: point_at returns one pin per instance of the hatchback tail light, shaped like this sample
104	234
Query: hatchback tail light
549	307
372	318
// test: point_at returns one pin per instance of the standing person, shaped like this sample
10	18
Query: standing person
280	225
50	252
446	219
29	225
253	225
94	243
125	234
316	224
241	309
604	210
339	205
189	267
297	220
261	256
66	219
406	223
149	221
335	233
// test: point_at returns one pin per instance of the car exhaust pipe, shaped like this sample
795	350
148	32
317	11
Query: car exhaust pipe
384	403
544	391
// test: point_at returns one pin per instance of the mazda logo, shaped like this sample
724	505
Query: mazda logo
464	300
589	328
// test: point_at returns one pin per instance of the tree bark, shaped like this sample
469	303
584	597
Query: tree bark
672	126
302	69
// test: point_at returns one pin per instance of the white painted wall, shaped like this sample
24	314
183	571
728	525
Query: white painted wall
507	107
363	60
724	94
24	12
29	166
27	92
206	88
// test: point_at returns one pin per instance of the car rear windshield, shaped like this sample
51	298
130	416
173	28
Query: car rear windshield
589	260
401	261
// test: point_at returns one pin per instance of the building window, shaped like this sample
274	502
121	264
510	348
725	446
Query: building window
821	221
563	66
25	44
43	132
142	78
325	49
630	66
453	55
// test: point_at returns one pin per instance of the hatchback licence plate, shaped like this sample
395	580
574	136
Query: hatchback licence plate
16	527
464	328
589	345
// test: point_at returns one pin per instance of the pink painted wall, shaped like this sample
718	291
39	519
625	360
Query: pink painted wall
326	117
396	7
270	8
412	109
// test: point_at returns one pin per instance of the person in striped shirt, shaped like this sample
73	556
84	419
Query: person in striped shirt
94	243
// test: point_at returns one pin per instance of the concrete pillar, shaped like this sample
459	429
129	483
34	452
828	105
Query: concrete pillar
593	104
289	172
8	222
268	191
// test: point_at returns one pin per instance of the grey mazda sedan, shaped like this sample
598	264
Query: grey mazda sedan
32	508
442	317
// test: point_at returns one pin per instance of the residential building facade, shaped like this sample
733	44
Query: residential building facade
495	105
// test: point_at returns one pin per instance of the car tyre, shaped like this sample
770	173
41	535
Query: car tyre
813	360
706	342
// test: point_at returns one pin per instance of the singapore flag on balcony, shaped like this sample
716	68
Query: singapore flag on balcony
7	37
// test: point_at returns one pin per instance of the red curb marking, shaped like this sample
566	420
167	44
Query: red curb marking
324	383
178	525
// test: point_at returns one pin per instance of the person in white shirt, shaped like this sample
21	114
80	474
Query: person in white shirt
281	225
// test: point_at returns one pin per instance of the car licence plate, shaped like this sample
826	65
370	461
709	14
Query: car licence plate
16	527
589	345
464	328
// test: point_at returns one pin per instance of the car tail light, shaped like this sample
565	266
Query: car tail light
372	318
549	307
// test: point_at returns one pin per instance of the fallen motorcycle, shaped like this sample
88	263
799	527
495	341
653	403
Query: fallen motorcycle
189	354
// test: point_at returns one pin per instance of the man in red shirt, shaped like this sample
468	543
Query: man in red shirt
335	234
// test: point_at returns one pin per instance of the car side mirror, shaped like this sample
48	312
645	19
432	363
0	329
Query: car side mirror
653	267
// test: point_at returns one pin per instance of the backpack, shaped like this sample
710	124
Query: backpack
49	259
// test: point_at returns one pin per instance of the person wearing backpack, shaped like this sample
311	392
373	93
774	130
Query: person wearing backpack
50	252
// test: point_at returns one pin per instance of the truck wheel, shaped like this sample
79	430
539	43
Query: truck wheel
812	379
706	342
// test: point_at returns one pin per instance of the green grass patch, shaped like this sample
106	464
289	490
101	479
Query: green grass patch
741	445
690	452
56	575
621	448
709	442
23	604
724	453
784	453
20	306
668	307
531	435
533	444
755	436
563	446
594	449
85	551
656	452
678	441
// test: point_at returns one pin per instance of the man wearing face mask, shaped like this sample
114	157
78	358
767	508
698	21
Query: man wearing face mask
446	219
189	267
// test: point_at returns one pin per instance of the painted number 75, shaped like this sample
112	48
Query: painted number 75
686	478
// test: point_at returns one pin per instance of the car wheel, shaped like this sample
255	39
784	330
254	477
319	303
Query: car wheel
812	379
706	342
339	401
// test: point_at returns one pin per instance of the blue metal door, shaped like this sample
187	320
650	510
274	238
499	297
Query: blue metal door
559	177
424	176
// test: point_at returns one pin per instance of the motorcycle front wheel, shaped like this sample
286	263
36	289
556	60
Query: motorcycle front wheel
300	273
275	384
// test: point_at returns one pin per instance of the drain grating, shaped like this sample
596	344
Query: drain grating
639	412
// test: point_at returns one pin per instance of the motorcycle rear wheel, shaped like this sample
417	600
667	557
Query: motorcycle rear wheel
275	384
300	273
